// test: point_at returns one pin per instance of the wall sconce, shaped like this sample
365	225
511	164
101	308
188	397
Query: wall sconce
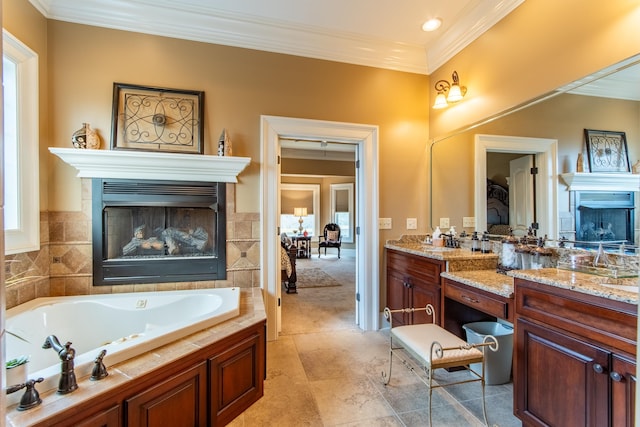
300	212
456	92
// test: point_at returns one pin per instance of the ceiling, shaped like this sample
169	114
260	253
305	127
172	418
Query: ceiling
384	34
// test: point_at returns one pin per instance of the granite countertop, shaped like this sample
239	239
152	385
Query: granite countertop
414	244
252	311
487	280
583	282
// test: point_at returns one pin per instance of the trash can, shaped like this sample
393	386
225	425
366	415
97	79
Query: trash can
497	363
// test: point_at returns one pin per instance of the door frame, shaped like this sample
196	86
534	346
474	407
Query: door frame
272	129
546	182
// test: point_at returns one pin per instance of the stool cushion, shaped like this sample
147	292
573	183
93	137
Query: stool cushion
417	340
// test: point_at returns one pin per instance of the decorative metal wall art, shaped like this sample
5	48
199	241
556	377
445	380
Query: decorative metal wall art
157	119
607	151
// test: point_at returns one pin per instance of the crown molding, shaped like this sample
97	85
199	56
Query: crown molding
238	30
167	18
129	164
472	24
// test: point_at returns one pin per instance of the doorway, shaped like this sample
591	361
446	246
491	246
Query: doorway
367	251
545	151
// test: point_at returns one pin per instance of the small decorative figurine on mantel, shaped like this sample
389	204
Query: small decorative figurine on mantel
580	163
636	168
85	137
224	144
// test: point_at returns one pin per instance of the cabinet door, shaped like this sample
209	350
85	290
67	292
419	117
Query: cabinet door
397	297
236	377
423	293
179	401
559	381
623	391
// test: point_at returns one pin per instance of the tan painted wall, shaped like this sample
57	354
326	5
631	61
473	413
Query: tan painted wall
540	46
240	85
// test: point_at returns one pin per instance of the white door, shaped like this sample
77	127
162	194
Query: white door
521	205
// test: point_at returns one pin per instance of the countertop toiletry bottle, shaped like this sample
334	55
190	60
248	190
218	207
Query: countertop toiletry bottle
475	243
541	256
485	244
508	258
523	253
437	237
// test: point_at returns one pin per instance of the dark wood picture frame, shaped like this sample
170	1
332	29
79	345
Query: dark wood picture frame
607	151
157	119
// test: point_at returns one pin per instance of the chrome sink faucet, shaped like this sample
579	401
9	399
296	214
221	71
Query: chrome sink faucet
67	382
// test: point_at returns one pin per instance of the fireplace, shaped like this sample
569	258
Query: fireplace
604	216
153	231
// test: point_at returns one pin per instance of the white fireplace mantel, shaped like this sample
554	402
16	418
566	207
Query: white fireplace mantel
128	164
585	181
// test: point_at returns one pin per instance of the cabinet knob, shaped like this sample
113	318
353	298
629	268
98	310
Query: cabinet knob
598	368
616	376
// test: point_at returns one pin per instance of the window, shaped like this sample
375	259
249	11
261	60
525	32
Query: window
300	196
342	209
21	165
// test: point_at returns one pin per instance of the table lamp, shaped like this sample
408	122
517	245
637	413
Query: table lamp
300	212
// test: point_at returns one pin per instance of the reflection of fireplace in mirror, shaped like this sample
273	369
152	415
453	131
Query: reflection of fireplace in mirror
158	231
603	216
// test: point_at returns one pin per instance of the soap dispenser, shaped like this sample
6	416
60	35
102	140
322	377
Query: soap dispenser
475	243
485	244
437	237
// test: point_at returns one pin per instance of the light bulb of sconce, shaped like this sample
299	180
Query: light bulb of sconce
455	93
440	102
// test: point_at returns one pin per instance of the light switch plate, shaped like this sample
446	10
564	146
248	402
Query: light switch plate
469	221
444	222
384	223
412	223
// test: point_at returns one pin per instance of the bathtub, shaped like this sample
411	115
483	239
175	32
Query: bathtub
125	325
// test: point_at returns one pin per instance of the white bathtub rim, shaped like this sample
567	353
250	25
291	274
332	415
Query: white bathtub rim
84	362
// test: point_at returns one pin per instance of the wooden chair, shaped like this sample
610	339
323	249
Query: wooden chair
431	347
330	238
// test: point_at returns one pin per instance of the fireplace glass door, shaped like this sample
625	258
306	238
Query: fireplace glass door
603	216
158	231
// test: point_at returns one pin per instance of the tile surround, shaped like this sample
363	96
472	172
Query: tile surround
63	265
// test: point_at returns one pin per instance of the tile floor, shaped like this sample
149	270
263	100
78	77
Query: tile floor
324	371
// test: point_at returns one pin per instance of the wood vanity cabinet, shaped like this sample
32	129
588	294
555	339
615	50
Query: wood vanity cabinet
574	358
412	281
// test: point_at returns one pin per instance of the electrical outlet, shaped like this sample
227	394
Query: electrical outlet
412	223
444	222
469	221
384	223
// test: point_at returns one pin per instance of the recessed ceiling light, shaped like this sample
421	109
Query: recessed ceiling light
432	24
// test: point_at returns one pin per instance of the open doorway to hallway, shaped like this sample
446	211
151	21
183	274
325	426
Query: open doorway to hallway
273	129
317	178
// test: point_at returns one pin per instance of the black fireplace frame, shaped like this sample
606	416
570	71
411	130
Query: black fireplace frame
590	200
126	192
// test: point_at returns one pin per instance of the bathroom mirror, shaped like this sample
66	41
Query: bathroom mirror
562	116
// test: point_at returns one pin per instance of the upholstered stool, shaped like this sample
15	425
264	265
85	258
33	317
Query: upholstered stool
433	347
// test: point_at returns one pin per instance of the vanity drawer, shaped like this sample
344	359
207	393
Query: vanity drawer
415	266
478	299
